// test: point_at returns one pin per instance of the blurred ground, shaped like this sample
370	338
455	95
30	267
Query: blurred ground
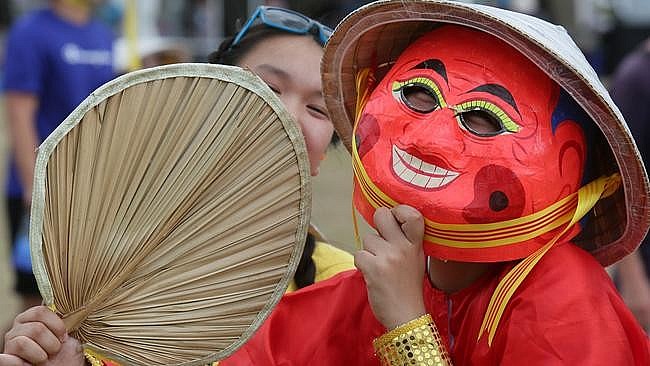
332	200
331	212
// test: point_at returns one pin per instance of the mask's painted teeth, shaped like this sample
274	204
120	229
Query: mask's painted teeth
413	170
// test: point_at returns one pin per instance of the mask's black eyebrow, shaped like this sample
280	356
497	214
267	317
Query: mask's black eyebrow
435	65
498	91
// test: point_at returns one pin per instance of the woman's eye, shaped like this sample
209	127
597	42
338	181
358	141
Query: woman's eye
481	123
419	98
319	111
274	89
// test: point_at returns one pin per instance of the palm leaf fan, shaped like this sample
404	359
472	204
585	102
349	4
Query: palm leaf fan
169	213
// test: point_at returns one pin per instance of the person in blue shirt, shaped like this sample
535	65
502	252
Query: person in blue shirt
55	57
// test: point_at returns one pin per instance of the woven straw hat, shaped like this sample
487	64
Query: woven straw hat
169	214
376	34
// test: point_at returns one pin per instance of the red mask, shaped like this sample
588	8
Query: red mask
460	128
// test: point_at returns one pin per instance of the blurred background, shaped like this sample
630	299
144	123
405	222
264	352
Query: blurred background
153	32
605	29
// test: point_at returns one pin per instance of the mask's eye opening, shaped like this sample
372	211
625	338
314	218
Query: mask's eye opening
419	98
481	123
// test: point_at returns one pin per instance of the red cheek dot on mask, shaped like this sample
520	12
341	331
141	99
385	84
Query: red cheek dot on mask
498	195
367	134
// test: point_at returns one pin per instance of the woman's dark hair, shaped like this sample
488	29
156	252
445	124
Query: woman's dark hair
306	271
227	54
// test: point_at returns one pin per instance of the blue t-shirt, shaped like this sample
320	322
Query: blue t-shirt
59	62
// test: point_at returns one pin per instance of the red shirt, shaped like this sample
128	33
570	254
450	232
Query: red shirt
566	312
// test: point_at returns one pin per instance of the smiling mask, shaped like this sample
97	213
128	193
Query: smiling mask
464	128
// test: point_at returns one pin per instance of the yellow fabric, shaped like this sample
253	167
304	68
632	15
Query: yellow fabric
329	261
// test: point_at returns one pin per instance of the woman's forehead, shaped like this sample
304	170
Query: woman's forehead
284	47
292	58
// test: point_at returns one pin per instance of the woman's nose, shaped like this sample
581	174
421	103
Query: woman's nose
294	107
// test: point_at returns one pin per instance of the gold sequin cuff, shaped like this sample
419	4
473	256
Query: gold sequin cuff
414	343
95	359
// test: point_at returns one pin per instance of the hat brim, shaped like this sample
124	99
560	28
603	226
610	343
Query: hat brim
376	34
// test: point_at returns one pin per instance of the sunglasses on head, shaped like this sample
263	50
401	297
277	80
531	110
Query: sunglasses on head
287	20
